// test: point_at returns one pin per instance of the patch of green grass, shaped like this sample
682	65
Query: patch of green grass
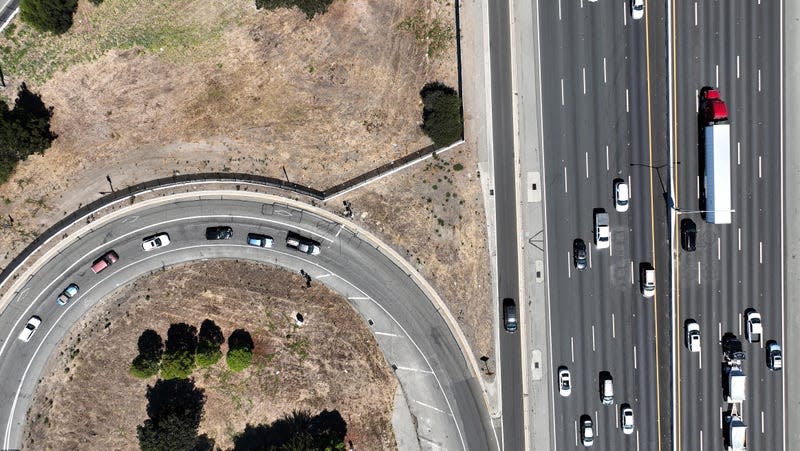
178	31
433	33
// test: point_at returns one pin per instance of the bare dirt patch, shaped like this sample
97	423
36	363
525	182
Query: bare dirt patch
87	400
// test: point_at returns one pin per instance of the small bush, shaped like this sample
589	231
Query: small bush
207	356
177	365
143	366
48	15
239	359
309	7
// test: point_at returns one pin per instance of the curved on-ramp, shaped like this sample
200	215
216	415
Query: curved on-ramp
418	336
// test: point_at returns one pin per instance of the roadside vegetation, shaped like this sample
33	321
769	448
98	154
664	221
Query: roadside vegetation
433	34
24	130
309	7
54	16
186	350
441	114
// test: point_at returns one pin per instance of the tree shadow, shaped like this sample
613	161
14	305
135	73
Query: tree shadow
150	343
177	396
299	430
181	337
30	105
211	333
240	338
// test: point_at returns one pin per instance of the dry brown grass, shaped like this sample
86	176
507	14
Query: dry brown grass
90	402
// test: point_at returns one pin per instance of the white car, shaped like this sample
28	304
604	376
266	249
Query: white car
602	230
774	356
587	431
621	196
648	281
693	336
564	382
752	330
637	9
29	329
155	241
626	418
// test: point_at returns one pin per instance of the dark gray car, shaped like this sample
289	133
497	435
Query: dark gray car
579	254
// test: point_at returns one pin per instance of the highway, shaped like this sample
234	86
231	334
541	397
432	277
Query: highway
604	112
441	391
737	47
506	222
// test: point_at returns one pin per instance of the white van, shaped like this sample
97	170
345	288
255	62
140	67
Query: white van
648	281
602	230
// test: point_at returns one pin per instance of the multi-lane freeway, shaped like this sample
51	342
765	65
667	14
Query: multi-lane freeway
735	46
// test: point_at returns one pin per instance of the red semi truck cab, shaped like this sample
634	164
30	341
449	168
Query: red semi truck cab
714	109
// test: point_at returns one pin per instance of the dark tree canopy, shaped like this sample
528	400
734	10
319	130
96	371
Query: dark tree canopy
240	350
48	15
298	431
24	131
210	339
309	7
441	114
175	409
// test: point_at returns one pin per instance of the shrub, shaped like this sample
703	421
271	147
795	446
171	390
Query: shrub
48	15
441	114
177	365
207	356
144	366
209	340
239	358
309	7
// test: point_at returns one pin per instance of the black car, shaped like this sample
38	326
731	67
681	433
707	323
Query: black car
688	234
219	233
509	315
579	253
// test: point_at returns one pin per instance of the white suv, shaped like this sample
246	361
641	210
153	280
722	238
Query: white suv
621	196
752	328
602	230
693	336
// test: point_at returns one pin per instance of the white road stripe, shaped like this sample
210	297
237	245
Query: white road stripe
637	440
717	75
698	273
759	80
720	332
635	360
584	81
720	417
627	102
701	440
576	432
738	153
604	70
565	180
695	14
562	92
762	421
387	334
698	187
632	282
737	67
740	324
593	337
569	265
740	239
606	158
624	14
613	327
759	166
559	9
590	255
415	370
696	101
719	248
429	406
572	348
586	158
760	252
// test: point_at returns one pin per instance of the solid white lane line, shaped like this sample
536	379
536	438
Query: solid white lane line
586	158
610	247
760	252
627	102
701	440
720	417
635	360
700	357
716	70
720	331
613	327
632	282
637	440
738	153
606	158
737	67
740	239
616	421
562	92
597	421
387	334
695	14
630	196
759	166
604	70
762	421
719	249
415	370
698	273
565	180
569	265
576	432
590	255
698	187
584	81
759	80
429	406
696	101
572	348
740	324
593	337
624	14
559	9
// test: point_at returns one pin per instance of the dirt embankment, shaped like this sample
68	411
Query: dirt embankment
87	400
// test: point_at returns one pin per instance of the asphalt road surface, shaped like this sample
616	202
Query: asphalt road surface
603	110
442	394
735	46
506	221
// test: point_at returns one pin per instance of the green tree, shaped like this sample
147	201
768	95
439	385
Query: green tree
25	130
240	350
309	7
48	15
177	365
175	409
210	339
239	358
441	114
144	366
